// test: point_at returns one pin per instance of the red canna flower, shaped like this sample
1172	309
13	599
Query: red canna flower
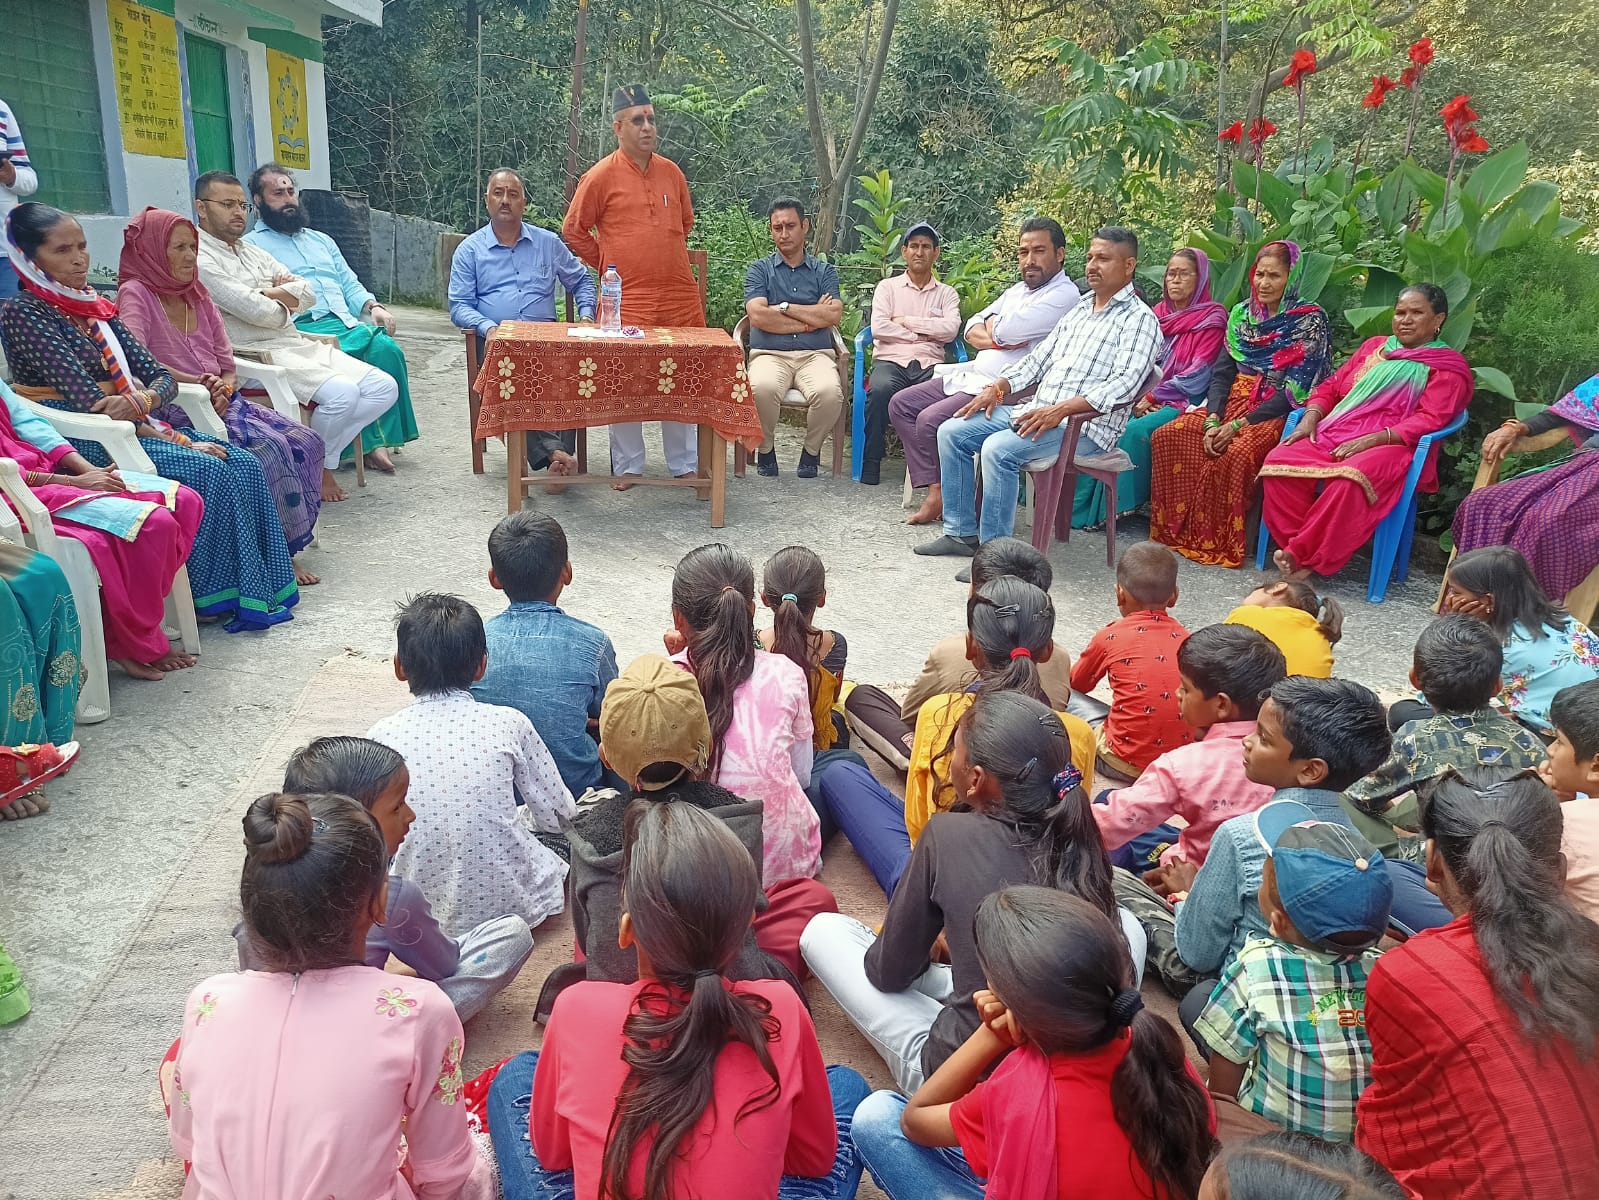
1409	77
1259	131
1458	112
1381	85
1302	64
1469	141
1421	51
1233	133
1288	357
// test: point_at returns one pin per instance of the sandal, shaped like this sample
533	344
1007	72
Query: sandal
27	768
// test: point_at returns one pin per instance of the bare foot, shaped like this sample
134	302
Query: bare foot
379	460
31	805
303	577
174	660
1289	568
928	514
625	483
139	670
332	493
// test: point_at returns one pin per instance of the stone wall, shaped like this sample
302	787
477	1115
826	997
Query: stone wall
415	265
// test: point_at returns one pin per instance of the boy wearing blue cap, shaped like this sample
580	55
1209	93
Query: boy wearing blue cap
1286	1024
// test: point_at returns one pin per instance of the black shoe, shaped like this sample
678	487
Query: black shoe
766	463
953	547
964	575
807	465
871	473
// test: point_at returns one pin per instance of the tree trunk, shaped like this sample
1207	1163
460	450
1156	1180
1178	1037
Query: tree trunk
813	103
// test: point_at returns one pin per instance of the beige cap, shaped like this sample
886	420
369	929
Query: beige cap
653	713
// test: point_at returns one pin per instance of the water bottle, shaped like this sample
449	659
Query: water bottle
610	300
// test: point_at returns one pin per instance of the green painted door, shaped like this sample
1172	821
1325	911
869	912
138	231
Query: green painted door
208	104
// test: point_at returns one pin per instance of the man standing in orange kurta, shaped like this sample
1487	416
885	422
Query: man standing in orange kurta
632	211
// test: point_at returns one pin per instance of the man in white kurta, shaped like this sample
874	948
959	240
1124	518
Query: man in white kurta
259	299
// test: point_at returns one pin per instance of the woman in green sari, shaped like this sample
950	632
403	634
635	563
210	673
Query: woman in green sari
40	669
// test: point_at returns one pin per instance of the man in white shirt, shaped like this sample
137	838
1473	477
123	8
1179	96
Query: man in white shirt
17	179
259	298
1001	334
914	319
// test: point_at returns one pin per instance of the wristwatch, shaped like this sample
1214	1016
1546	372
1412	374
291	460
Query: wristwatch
783	308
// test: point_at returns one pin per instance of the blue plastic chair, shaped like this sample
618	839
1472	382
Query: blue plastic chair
1390	544
857	433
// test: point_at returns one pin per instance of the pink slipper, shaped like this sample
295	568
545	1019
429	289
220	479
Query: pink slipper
28	767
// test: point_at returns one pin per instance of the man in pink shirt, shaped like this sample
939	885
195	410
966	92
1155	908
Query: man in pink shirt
914	318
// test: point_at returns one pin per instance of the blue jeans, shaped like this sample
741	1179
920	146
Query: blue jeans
1415	906
901	1168
523	1178
872	818
1004	455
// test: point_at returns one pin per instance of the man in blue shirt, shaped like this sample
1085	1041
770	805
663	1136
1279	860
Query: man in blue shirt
507	271
550	666
793	305
344	308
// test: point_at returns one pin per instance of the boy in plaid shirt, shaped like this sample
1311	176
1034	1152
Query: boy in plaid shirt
1287	1022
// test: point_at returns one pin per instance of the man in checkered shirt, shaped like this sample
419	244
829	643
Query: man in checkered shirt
1095	360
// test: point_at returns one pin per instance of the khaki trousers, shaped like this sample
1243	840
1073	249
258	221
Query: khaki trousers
814	374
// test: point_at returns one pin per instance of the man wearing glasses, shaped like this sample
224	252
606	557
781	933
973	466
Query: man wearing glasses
632	211
260	300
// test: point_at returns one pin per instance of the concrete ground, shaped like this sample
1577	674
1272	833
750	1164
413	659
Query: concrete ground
75	883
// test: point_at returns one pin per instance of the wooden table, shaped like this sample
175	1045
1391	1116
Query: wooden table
535	375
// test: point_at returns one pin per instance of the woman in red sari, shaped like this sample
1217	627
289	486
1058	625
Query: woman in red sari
1204	465
1358	436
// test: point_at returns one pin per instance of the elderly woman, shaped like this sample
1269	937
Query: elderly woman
1193	326
161	300
68	349
1358	436
137	529
1204	468
1551	514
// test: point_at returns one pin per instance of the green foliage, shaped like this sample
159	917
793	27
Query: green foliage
733	240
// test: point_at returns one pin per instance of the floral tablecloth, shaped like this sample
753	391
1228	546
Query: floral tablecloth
536	376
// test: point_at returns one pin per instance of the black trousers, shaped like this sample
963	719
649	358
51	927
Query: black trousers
886	379
541	443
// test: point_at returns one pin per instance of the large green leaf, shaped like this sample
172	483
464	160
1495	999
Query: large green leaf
1570	227
1315	269
1434	257
1396	197
1498	176
1382	288
1457	329
1371	320
1229	286
1277	196
1492	379
1516	218
1428	184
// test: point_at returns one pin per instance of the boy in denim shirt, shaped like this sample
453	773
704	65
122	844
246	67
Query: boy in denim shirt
549	666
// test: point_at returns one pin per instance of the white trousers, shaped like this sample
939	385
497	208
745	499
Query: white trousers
681	442
347	404
897	1023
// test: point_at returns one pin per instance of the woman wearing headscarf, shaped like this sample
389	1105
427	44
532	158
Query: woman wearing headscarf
1550	514
69	350
1193	326
161	299
1204	467
1358	436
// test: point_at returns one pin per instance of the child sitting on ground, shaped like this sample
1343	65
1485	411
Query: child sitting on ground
1303	625
759	706
1313	738
549	666
1457	667
1223	671
793	587
684	1083
1139	654
1286	1025
655	733
1091	1094
470	970
889	726
473	849
1572	771
1545	647
314	1074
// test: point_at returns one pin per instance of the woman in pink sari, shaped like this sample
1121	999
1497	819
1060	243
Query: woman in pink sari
137	529
1358	435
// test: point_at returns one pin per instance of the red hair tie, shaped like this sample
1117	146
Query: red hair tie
1021	652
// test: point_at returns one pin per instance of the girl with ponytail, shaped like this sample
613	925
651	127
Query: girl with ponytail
1485	1032
793	587
759	705
1092	1094
681	1084
1022	817
313	1074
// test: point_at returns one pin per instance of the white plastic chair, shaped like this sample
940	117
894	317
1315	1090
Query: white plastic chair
256	366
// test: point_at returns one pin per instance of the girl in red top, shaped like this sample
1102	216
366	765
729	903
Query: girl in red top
681	1084
1485	1032
1094	1096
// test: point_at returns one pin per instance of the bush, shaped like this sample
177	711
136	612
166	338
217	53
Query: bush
734	239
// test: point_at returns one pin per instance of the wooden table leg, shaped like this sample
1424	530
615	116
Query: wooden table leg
515	468
718	480
703	458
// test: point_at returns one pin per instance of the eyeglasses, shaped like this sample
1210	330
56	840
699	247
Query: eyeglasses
230	205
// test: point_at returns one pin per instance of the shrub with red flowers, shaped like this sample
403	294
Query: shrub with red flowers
1381	85
1460	126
